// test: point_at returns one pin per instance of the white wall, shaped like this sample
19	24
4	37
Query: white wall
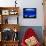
31	4
27	4
7	3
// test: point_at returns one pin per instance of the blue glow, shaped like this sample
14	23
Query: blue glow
29	12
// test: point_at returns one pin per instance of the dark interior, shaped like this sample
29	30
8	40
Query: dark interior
9	35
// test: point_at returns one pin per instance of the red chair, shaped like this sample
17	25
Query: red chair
29	33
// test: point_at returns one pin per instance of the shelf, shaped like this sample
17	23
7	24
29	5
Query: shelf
6	24
9	10
6	12
10	26
10	43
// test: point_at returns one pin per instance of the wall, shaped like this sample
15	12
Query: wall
27	4
37	29
31	4
28	22
7	3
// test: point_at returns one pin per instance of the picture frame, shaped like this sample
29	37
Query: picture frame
29	12
13	12
5	12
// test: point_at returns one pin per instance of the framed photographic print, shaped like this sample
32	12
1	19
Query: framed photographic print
5	12
12	12
29	13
